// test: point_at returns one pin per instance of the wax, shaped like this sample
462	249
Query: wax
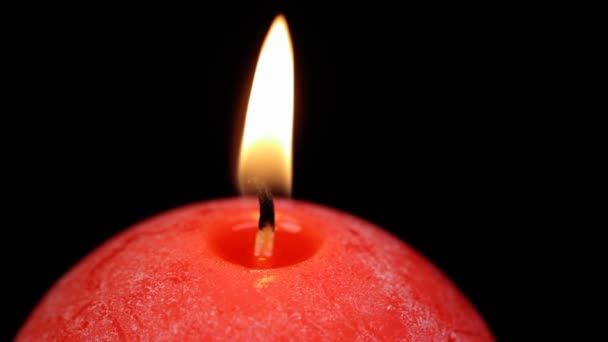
189	275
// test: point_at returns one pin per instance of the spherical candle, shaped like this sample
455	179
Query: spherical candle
190	275
233	270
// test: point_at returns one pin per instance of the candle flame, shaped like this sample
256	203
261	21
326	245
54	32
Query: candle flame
265	155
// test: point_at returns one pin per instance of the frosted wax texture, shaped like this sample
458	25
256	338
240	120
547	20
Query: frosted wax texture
189	275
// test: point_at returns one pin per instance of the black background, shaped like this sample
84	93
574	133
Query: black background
473	138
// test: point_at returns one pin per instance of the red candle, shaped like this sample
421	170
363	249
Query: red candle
190	274
232	270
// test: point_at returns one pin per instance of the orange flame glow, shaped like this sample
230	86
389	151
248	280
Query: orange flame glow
266	148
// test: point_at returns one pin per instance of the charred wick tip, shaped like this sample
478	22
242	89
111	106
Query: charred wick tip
266	208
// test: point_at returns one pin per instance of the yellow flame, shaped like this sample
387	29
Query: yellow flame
265	156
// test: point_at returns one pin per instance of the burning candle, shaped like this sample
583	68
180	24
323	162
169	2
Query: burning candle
256	269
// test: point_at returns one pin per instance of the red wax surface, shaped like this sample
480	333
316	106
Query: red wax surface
189	275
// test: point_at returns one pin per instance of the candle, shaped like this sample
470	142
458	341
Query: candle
256	269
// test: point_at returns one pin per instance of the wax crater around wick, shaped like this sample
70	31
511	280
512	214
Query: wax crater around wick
294	242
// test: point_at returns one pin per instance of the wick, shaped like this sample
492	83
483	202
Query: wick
264	238
266	208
